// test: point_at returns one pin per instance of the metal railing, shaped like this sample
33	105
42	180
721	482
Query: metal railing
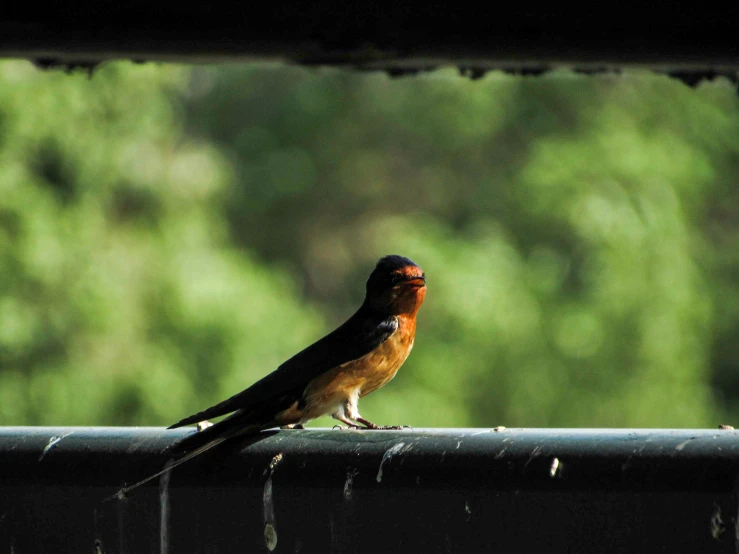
435	490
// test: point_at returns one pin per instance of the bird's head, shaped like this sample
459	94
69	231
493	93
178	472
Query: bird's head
396	285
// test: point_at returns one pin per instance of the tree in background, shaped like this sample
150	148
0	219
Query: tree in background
122	300
578	234
562	221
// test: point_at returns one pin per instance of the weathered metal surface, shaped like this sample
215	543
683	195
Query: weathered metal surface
441	490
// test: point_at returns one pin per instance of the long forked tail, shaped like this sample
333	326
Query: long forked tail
237	424
121	494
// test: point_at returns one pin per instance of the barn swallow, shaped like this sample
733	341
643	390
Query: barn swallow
331	375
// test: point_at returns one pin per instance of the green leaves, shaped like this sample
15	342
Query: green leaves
170	235
123	301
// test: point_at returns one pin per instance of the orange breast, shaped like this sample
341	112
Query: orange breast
362	376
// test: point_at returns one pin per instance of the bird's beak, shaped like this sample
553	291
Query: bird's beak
415	281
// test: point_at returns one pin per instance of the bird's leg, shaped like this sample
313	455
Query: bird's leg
367	423
371	425
345	421
348	423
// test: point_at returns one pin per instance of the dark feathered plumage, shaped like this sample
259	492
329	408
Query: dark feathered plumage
329	376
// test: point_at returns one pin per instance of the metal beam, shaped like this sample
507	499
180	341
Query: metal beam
436	490
397	36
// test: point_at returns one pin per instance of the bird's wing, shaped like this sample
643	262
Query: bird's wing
360	335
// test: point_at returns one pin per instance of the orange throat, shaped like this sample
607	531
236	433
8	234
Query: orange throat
409	300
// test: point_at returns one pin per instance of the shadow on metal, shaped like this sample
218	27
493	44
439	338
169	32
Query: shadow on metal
436	490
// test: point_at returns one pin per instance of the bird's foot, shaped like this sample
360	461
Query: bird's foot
369	425
293	426
348	427
390	427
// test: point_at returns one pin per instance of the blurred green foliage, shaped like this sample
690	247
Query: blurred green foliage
168	235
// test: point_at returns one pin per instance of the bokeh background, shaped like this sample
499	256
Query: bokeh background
170	234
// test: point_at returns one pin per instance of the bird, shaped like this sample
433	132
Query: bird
329	376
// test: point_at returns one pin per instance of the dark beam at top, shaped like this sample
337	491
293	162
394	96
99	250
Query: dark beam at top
397	36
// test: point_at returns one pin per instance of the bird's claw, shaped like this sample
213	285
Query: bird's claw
386	427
